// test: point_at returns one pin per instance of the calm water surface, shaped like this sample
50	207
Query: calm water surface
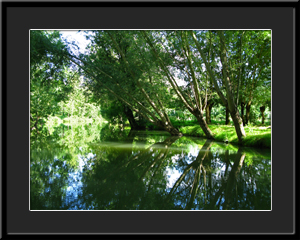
86	167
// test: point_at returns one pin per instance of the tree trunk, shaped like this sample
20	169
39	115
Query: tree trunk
235	115
243	112
238	124
227	121
169	128
203	124
133	124
208	108
207	111
262	110
248	106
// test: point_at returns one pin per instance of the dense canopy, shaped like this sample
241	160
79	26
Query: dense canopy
144	77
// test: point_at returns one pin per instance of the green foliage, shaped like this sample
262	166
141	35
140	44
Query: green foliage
123	68
119	70
79	106
49	81
256	70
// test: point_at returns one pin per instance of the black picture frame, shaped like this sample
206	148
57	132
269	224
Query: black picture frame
19	17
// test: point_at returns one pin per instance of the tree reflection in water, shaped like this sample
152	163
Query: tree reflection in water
132	174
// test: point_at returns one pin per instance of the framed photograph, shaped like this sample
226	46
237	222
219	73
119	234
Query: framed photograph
149	119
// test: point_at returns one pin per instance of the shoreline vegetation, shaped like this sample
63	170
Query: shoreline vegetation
257	135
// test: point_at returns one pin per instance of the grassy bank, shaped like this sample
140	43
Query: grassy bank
255	136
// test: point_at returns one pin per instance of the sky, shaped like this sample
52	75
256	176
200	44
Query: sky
78	37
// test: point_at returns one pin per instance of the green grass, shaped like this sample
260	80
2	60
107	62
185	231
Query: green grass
255	136
184	123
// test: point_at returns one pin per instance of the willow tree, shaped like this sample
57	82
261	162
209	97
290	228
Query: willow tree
173	53
228	98
118	63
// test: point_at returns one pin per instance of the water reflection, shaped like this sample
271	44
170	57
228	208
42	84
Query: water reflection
140	170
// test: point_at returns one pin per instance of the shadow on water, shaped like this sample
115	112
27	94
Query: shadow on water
140	170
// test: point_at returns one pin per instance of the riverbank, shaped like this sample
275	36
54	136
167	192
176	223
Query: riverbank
255	136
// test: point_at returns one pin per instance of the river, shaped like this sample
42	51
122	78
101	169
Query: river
92	167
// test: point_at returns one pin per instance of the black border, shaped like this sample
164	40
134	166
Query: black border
19	17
